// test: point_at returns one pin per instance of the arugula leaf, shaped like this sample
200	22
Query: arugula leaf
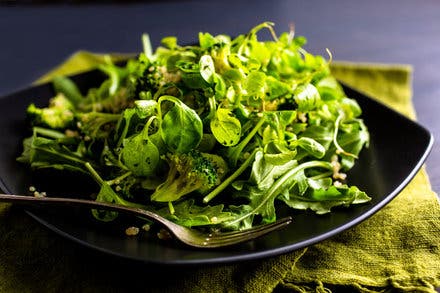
322	200
264	172
107	194
41	152
262	201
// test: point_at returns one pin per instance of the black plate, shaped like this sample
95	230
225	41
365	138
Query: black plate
398	148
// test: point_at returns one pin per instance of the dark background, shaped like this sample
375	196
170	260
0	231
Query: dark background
37	35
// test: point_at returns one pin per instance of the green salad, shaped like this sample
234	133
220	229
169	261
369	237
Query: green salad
215	135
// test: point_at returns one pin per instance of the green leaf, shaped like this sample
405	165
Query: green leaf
322	200
256	84
320	133
260	52
311	146
41	152
67	87
225	127
307	97
169	42
277	88
187	214
265	172
353	136
329	89
145	108
106	194
220	86
181	128
140	155
207	69
206	40
262	201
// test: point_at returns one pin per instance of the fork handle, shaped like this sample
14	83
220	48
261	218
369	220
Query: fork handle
61	201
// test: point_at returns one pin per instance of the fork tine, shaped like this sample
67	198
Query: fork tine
222	239
256	229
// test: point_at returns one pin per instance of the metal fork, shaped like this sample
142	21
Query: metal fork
185	235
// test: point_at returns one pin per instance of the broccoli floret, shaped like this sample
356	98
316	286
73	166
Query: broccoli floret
97	124
58	115
193	171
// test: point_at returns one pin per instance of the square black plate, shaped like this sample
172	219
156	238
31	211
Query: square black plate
398	148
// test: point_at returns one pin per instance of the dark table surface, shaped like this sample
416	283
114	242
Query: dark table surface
34	38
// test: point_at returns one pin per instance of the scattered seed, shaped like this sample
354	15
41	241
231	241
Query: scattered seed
39	194
337	183
164	234
146	227
132	231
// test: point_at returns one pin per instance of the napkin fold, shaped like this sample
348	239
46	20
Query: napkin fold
397	249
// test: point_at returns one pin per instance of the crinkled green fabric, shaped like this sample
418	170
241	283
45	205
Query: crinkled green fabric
396	249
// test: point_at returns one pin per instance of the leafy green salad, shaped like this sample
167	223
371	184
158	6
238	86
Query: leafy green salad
215	135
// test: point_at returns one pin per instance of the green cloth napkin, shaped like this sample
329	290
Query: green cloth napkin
396	249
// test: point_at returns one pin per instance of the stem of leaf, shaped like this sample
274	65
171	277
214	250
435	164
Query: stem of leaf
239	148
145	131
231	178
339	149
49	132
117	179
94	174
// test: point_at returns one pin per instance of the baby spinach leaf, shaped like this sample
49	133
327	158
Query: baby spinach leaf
181	128
140	155
207	69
